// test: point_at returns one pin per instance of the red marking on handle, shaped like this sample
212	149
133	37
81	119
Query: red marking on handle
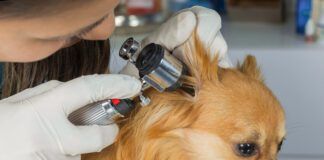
115	101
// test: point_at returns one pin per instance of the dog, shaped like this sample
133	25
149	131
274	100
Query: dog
229	115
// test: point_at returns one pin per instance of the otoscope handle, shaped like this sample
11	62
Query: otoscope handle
102	113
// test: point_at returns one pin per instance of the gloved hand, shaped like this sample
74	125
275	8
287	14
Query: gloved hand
180	27
177	30
34	124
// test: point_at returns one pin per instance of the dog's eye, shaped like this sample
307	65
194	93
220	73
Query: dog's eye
246	149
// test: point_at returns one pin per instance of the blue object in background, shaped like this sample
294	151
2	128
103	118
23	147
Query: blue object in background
176	5
303	13
219	6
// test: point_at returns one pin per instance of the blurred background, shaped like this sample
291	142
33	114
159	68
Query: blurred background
286	36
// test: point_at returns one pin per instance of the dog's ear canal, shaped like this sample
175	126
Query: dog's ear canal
251	68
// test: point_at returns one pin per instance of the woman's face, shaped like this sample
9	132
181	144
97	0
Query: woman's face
31	39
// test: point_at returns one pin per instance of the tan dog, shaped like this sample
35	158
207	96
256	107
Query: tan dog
233	115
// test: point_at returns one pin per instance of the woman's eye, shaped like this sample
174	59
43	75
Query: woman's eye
246	149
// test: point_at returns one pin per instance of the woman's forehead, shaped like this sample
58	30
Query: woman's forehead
46	8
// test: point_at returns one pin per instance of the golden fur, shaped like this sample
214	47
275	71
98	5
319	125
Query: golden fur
230	106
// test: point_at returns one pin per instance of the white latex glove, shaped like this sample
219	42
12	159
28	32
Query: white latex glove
34	124
178	29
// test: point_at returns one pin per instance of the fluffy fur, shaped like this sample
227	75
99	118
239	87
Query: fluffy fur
230	106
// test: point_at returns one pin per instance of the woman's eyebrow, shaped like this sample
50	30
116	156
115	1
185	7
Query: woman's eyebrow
82	30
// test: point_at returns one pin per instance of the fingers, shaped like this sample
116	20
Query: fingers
174	32
209	25
88	139
219	47
205	22
32	91
54	106
88	89
208	29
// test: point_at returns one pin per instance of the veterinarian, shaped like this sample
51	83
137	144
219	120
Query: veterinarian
33	123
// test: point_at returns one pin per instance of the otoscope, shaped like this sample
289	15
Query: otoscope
157	68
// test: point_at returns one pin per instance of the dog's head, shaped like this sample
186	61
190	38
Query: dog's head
233	115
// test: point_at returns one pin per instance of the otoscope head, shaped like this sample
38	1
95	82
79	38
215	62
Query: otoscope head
155	64
159	68
129	50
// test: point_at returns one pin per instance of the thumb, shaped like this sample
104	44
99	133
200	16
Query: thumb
174	32
79	92
54	106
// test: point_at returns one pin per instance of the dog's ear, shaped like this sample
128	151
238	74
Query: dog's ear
251	68
200	64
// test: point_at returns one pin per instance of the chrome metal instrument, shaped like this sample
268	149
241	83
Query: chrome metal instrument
157	68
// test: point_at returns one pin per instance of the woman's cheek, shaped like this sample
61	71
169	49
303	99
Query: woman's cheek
103	31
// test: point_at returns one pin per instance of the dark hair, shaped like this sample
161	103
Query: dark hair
83	58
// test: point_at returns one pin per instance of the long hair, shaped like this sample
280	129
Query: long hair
83	58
